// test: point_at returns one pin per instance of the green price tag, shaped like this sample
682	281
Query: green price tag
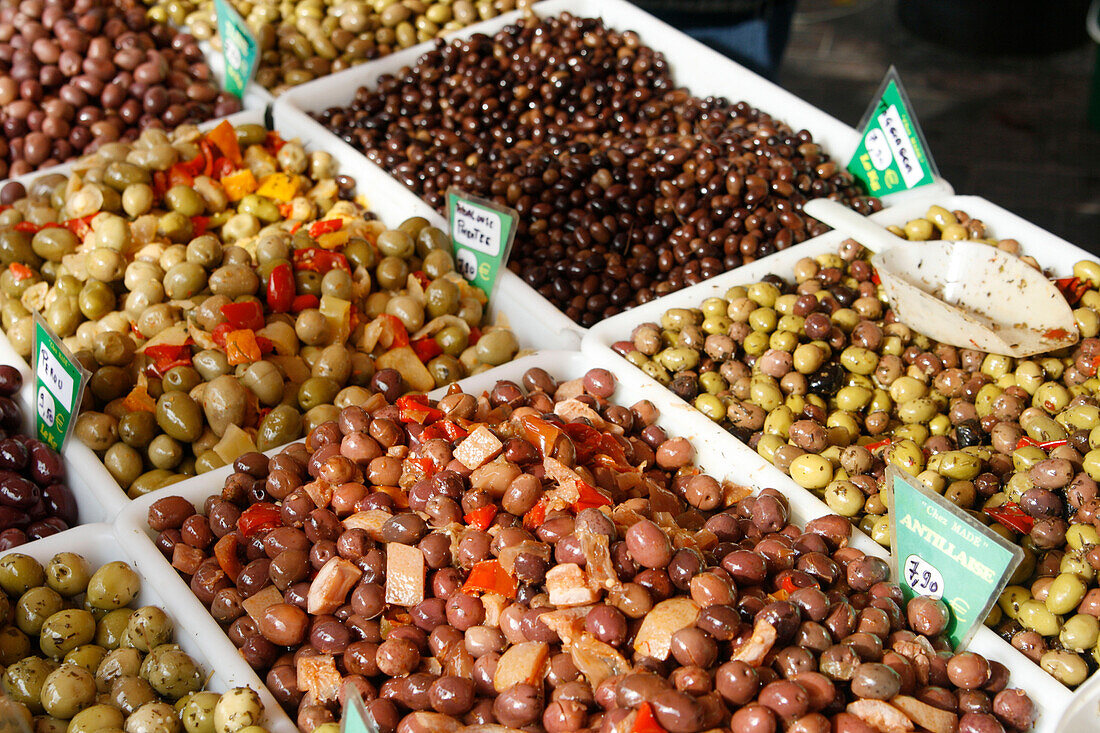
939	550
59	385
356	718
239	48
482	233
893	155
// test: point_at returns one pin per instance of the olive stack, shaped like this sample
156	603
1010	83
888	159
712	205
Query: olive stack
141	273
627	186
301	40
35	501
77	657
546	557
821	380
75	74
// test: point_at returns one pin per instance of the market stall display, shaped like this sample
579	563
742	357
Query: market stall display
681	529
219	281
301	41
822	382
627	186
88	643
74	76
644	565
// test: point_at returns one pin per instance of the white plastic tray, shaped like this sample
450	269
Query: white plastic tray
98	545
1054	254
716	452
693	65
98	494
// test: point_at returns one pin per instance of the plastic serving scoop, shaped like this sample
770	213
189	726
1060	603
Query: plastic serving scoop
966	294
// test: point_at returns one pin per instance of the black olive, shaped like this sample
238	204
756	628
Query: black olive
684	387
827	380
968	433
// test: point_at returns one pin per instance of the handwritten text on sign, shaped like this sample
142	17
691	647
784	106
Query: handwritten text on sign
940	551
482	233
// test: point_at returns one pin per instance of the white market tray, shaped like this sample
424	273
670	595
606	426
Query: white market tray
1055	255
716	452
693	65
98	494
98	544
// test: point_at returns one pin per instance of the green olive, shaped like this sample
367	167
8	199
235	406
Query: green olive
308	282
442	296
317	391
361	253
265	381
151	481
171	671
34	607
53	243
123	462
392	273
137	428
111	627
97	718
147	628
96	299
430	239
96	430
210	364
453	340
446	369
121	662
110	382
238	708
184	200
66	630
87	656
67	690
280	426
113	586
437	263
23	681
67	573
137	199
19	573
164	452
119	175
396	243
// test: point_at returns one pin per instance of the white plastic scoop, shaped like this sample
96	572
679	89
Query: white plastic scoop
966	294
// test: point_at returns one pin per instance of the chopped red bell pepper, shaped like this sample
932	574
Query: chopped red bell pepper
241	347
1072	288
248	314
1048	445
261	516
400	333
160	184
19	271
167	356
537	515
426	465
220	332
443	429
1011	515
80	226
645	722
878	444
199	225
27	227
590	498
266	345
414	408
224	138
482	517
488	576
280	288
426	348
285	210
223	167
208	157
787	584
225	551
319	260
304	302
475	336
540	433
325	226
422	278
273	142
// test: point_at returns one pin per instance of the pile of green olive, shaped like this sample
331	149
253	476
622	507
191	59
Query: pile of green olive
76	658
141	268
301	40
820	379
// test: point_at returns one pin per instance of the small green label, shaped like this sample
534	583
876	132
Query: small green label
59	385
482	233
356	718
239	48
939	550
892	156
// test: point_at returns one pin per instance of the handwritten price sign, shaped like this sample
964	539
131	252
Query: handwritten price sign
59	385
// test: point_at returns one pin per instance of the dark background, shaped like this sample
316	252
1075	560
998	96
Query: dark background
1007	126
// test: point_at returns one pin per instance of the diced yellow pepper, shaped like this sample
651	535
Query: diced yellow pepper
338	313
278	186
239	184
